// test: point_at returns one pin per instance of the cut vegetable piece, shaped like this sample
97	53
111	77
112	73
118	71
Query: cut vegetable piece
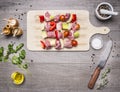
51	18
42	44
76	34
65	26
44	34
52	25
74	18
41	18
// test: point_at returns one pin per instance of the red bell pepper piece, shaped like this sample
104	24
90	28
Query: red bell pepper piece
74	18
41	18
42	44
52	25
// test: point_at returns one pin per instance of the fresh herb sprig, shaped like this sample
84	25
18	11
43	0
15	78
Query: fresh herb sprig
18	55
1	53
104	79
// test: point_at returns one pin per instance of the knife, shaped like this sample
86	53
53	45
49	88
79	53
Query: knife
103	59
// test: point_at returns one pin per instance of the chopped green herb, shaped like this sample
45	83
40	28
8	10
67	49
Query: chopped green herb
5	58
16	60
104	79
10	48
1	51
19	55
19	47
104	74
0	59
22	54
103	84
25	66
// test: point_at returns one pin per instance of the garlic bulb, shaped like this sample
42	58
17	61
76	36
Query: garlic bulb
12	22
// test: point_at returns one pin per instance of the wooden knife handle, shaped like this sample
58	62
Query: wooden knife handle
94	78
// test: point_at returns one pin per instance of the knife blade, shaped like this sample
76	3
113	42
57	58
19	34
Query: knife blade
103	59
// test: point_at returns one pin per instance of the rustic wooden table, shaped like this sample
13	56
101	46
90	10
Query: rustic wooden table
60	71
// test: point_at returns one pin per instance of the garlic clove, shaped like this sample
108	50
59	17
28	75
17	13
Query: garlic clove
17	32
6	31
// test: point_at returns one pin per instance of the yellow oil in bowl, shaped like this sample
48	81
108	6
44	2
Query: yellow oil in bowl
18	78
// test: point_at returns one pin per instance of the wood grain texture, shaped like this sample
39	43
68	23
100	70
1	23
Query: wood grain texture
60	71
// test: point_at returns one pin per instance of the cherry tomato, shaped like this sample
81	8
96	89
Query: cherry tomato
62	18
77	26
66	33
74	43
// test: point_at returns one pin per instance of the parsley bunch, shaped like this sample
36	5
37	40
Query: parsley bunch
18	55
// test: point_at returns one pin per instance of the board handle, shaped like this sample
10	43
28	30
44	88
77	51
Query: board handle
94	77
101	30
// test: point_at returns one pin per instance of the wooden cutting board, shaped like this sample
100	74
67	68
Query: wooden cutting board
87	30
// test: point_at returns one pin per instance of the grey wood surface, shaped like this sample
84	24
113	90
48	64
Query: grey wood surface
60	71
